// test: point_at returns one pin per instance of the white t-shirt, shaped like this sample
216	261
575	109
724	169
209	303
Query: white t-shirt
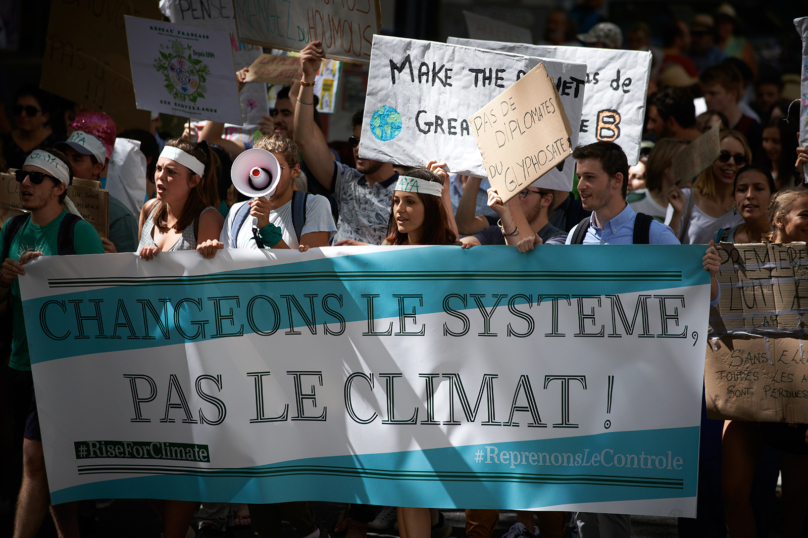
641	202
702	227
318	219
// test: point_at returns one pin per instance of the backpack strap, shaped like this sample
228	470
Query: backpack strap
299	199
642	229
238	222
580	232
66	235
12	227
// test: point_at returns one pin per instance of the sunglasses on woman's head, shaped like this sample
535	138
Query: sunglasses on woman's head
36	177
353	141
30	110
739	158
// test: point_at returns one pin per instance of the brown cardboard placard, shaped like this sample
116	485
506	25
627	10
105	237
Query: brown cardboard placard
523	133
88	197
697	156
87	58
275	69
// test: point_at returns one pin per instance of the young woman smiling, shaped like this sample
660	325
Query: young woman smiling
696	214
754	188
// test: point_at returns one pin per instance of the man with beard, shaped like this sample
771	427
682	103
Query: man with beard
363	194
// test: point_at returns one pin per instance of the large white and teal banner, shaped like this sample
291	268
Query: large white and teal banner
567	378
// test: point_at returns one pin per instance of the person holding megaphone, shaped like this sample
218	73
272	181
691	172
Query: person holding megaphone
277	216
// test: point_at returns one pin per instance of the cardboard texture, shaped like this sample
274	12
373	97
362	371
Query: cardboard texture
274	69
346	29
758	369
88	197
697	156
481	27
522	133
87	59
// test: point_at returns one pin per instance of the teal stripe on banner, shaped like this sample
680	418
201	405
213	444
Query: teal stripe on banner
138	313
612	466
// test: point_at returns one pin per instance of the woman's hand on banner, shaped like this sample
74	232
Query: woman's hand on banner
148	253
209	248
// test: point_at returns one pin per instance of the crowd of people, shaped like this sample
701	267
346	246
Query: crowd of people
177	194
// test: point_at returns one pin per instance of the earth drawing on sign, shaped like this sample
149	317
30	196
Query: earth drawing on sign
184	75
385	124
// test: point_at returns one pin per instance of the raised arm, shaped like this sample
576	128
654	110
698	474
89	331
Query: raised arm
315	152
467	221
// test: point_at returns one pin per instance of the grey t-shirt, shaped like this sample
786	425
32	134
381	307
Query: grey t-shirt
550	235
364	210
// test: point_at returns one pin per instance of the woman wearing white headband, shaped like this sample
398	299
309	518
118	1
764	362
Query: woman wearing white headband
180	216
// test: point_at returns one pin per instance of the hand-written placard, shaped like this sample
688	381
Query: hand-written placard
481	27
88	197
274	69
183	70
421	94
616	86
219	15
758	370
802	28
87	60
523	133
697	156
346	29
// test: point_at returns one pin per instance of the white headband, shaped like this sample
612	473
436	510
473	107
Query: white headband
54	165
422	186
185	159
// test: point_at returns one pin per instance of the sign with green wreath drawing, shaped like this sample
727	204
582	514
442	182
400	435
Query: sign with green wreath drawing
183	70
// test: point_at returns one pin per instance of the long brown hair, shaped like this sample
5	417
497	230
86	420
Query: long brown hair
779	207
435	230
205	193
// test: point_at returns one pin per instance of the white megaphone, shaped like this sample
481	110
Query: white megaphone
256	172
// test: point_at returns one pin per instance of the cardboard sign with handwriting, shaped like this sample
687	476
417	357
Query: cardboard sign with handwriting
482	27
88	197
758	369
346	29
523	133
697	156
87	59
274	69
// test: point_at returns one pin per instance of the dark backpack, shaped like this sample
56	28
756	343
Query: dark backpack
642	230
64	239
299	199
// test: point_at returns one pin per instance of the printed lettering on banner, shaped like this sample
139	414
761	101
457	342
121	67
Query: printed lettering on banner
697	156
596	408
90	66
522	134
216	15
183	70
756	368
481	27
616	86
421	94
346	29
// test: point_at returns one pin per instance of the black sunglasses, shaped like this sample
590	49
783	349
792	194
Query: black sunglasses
739	158
353	141
30	110
36	177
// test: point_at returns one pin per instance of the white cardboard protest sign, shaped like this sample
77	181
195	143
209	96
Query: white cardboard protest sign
346	29
421	94
183	70
697	156
218	15
522	134
616	86
482	27
802	28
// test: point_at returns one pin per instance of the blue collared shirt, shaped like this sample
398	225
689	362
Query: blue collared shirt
620	231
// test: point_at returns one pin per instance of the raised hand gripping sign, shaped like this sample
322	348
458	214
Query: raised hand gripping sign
421	95
401	376
616	86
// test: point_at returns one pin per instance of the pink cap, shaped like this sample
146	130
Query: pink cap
99	125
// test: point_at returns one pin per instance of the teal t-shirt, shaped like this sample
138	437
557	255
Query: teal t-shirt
40	239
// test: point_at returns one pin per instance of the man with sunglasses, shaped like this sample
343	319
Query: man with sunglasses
525	215
31	118
43	180
363	193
